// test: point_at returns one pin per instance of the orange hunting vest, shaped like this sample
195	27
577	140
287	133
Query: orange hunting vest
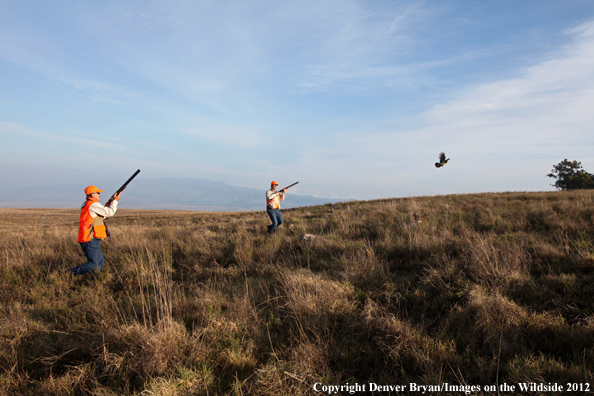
90	227
273	203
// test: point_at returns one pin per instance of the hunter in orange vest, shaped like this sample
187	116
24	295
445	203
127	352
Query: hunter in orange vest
92	230
273	199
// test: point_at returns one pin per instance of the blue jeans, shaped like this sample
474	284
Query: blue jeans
276	218
94	256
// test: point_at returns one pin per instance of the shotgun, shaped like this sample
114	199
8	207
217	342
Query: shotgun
283	190
123	187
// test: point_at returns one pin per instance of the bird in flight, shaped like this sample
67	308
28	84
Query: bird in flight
442	160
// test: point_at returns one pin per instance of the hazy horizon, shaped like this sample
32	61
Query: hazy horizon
163	193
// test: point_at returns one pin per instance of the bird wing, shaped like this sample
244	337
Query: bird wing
442	157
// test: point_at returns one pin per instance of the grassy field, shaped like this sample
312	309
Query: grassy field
488	289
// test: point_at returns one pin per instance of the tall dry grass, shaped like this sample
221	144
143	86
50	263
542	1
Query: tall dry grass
489	288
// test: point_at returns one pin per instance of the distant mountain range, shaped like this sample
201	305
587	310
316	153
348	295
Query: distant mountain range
168	193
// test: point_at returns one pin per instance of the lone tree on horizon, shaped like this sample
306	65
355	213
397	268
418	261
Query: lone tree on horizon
571	176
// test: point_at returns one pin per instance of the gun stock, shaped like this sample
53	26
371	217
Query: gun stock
123	187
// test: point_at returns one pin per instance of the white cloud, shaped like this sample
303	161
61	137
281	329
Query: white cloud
12	128
547	105
233	135
207	49
69	139
502	135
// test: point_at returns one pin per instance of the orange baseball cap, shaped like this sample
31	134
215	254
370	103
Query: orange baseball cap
92	189
274	183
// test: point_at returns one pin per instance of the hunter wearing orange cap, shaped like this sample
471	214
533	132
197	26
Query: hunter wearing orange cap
92	229
273	199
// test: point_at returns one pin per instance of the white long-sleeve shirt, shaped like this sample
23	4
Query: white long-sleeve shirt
96	209
273	199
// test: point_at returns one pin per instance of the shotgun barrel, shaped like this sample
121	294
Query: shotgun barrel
289	186
123	187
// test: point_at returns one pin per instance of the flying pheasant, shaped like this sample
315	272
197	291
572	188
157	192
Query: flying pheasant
442	160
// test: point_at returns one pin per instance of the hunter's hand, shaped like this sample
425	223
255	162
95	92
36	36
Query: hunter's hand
116	197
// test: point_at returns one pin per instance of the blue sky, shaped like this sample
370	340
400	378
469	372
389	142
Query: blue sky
354	99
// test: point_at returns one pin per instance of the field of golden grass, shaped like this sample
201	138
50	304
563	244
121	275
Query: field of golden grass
487	289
